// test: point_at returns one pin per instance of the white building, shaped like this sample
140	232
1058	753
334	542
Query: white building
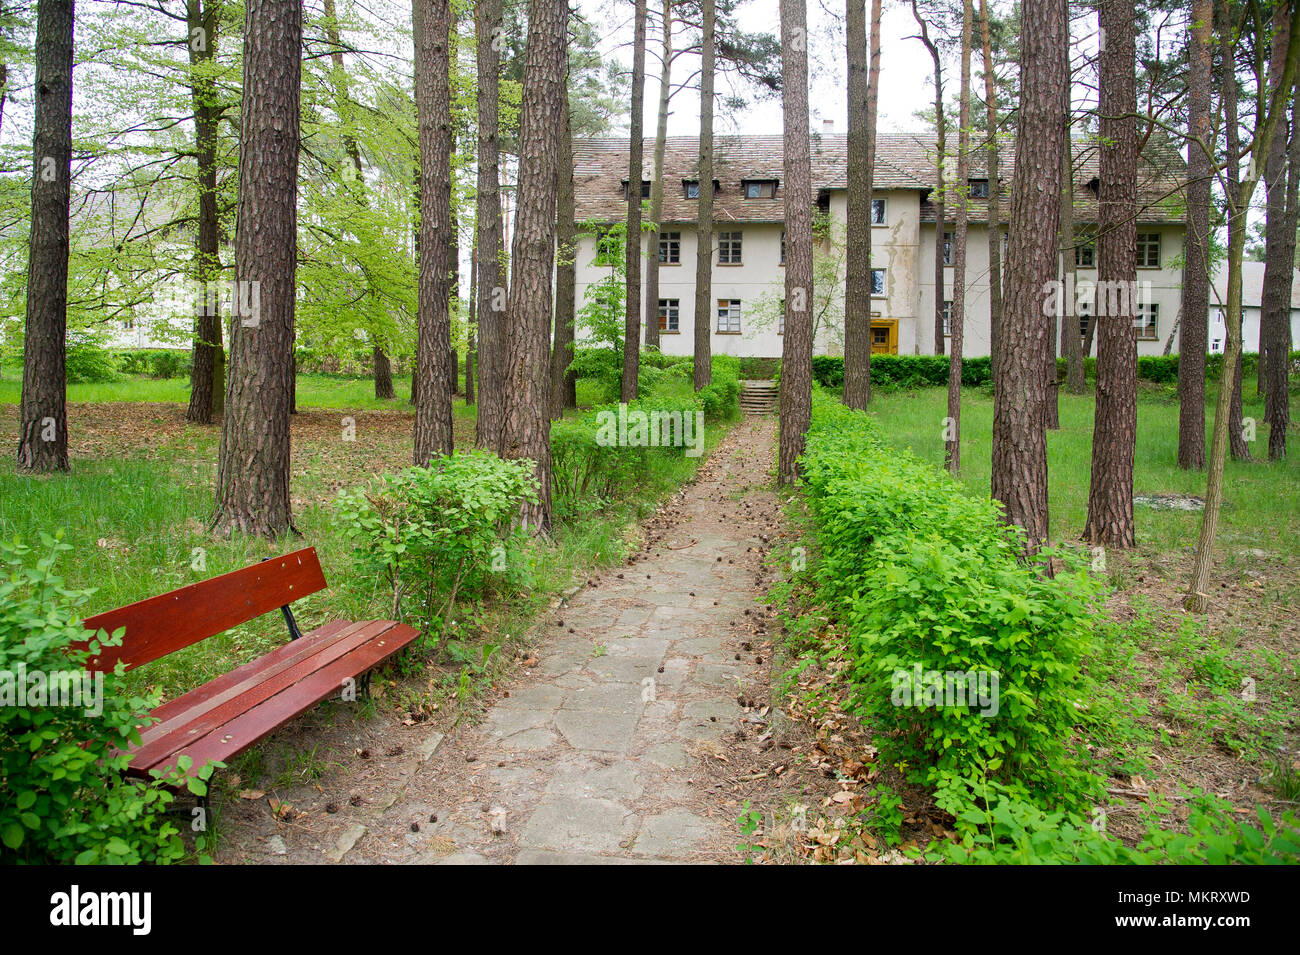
1252	294
748	242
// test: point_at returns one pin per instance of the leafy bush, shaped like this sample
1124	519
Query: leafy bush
904	371
589	470
154	362
63	796
928	578
721	398
1005	830
438	533
88	363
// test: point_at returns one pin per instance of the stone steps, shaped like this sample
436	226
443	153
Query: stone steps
759	397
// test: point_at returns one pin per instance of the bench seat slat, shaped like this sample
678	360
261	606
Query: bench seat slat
201	709
245	719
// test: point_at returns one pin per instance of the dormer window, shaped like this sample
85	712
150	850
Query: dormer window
691	188
759	188
979	188
645	189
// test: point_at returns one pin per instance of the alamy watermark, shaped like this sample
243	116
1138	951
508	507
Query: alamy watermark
78	689
926	689
651	429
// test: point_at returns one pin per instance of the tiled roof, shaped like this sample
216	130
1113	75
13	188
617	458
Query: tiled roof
902	162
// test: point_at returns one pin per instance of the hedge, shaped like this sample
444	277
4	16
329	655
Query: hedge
924	575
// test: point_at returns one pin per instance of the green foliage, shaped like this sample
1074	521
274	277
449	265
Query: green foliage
721	397
439	532
588	470
87	362
904	371
63	796
925	576
162	363
1004	830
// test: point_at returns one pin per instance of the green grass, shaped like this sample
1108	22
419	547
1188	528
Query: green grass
1260	511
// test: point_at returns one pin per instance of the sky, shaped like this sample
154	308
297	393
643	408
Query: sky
906	68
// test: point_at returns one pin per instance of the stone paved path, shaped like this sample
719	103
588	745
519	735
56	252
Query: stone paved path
593	754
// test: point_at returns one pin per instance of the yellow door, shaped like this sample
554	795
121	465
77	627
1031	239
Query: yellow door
884	336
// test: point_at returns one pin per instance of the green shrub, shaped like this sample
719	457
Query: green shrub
721	398
590	471
154	362
88	363
928	578
439	533
63	796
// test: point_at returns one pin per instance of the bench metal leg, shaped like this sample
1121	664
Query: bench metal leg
364	685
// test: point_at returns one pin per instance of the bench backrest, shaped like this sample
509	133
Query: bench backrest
161	625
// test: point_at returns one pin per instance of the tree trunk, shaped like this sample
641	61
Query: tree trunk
1279	263
563	385
201	25
253	470
857	278
1051	407
470	322
490	243
1071	337
1197	599
433	359
636	143
995	185
1019	439
657	180
796	352
383	373
952	431
43	412
703	372
941	148
1114	434
1236	223
1279	362
1193	336
527	395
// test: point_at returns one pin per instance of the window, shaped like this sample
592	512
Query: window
670	248
947	319
979	188
1085	254
1148	316
947	248
783	247
645	189
877	281
880	337
692	189
780	318
608	247
729	248
1084	310
1148	250
729	316
669	313
760	188
877	211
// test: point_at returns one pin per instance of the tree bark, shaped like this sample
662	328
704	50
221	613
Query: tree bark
43	413
1051	406
857	278
254	461
1193	336
1019	478
201	24
657	181
527	422
383	374
489	239
635	241
1279	264
796	352
1071	337
703	373
434	366
1236	224
563	384
952	433
471	321
995	185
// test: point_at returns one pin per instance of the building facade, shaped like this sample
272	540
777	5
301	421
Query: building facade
748	279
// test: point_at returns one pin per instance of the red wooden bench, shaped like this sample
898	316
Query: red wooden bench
226	716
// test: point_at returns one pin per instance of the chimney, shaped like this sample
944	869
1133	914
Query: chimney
828	127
